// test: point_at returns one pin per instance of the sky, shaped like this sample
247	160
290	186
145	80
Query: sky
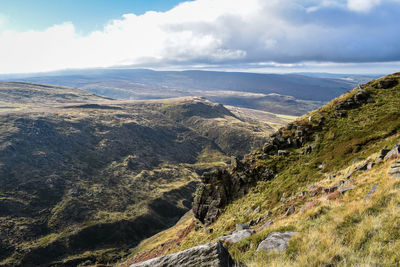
340	36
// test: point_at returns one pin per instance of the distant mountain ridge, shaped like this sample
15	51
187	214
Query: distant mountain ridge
248	90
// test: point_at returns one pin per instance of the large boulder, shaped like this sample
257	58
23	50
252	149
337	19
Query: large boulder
393	152
207	255
276	241
237	236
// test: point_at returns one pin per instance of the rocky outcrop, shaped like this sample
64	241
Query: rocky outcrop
221	186
360	98
208	255
276	242
386	83
393	152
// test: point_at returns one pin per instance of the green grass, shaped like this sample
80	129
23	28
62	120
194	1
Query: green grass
346	231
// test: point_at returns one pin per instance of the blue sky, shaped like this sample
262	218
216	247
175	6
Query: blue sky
351	36
86	15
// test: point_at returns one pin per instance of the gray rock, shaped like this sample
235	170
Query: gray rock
362	167
349	174
237	236
383	153
360	98
387	83
372	191
276	242
394	170
265	225
247	213
393	152
395	165
290	210
370	165
309	149
212	254
242	226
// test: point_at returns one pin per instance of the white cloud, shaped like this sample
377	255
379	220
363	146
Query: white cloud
362	5
213	32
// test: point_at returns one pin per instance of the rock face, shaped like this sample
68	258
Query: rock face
276	242
237	236
208	255
221	186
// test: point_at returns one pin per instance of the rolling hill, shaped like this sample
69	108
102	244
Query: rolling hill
322	191
290	94
84	178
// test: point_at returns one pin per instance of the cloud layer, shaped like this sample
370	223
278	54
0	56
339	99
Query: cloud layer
217	32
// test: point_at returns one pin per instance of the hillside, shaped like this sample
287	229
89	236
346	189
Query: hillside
83	178
289	94
20	95
323	191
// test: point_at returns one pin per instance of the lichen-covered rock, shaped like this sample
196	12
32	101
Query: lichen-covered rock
276	242
208	255
237	236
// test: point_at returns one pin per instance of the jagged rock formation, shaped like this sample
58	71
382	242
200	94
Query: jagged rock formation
221	186
208	255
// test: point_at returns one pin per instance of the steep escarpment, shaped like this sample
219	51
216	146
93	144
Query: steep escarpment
332	133
322	191
85	180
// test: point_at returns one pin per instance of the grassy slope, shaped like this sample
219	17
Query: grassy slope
86	182
344	231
